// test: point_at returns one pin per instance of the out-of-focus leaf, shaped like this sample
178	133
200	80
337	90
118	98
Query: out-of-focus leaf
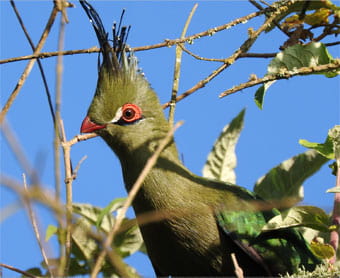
285	180
335	189
50	231
306	216
322	250
112	206
35	271
221	161
81	238
320	16
298	6
292	58
334	135
128	241
92	213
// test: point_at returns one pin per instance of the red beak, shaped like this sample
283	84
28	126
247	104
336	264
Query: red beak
87	126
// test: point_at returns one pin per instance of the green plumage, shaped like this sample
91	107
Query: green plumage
207	220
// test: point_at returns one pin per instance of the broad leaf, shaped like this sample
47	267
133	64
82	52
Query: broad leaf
285	180
293	58
221	161
81	237
114	205
91	213
129	241
126	242
301	216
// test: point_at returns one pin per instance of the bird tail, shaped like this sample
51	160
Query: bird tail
114	57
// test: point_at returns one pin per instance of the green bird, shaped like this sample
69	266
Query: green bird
208	220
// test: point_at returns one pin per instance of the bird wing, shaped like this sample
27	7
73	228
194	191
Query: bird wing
277	251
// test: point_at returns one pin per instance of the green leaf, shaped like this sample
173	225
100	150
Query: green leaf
80	236
325	149
112	206
293	58
92	213
221	161
306	216
128	241
285	180
50	231
330	148
261	92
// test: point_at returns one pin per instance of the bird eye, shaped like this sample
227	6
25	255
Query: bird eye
131	113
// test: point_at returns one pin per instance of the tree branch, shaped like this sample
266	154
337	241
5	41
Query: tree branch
177	69
283	75
229	61
29	66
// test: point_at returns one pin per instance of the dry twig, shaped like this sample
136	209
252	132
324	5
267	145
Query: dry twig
283	75
177	68
29	66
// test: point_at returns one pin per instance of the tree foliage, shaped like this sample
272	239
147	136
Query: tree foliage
83	228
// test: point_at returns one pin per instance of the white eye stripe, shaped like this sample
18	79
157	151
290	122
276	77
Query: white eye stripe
118	115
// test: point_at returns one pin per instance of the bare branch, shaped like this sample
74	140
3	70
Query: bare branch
18	270
36	230
29	66
48	94
229	61
177	68
166	43
283	75
238	269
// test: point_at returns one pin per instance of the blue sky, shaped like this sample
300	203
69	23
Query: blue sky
302	107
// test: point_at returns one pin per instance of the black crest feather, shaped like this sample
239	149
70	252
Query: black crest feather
113	57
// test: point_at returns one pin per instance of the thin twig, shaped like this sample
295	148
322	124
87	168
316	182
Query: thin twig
177	69
238	269
242	55
229	61
132	194
44	55
283	75
29	66
166	43
254	3
18	270
59	139
19	153
48	94
34	223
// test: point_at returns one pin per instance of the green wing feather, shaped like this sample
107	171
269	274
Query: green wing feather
280	251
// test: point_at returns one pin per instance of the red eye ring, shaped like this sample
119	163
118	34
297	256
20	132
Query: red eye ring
131	113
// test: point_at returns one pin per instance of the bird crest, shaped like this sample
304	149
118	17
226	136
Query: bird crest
115	58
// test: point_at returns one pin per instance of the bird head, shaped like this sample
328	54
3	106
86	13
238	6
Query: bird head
125	111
